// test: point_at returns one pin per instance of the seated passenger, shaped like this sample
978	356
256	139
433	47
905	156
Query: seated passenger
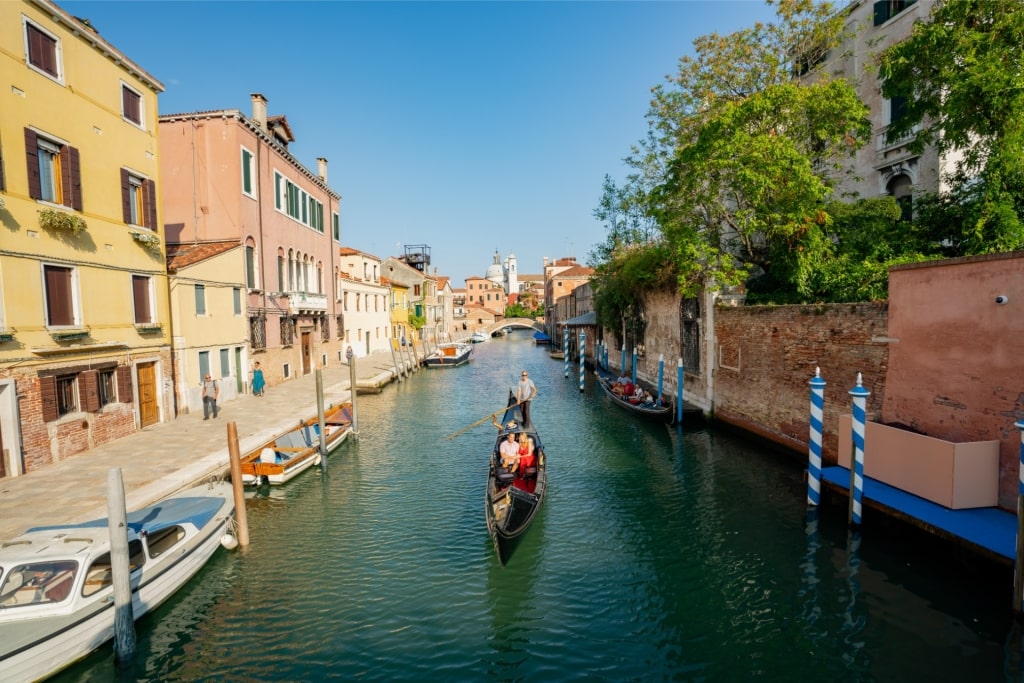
509	452
527	458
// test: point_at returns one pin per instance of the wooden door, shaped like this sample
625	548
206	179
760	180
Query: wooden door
307	352
149	409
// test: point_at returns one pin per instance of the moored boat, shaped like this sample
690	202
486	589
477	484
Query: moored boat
479	337
513	499
657	408
292	453
449	355
56	592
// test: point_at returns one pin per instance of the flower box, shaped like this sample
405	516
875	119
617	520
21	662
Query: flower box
149	328
150	240
61	221
69	335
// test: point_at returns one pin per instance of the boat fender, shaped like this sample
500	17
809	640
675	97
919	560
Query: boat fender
228	541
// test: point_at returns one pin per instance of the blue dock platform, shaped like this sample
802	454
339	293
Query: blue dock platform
990	529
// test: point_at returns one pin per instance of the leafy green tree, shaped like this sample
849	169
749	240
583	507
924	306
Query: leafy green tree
744	150
961	75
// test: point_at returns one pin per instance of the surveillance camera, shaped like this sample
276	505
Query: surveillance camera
1002	299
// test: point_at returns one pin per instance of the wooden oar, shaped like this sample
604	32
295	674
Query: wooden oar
483	419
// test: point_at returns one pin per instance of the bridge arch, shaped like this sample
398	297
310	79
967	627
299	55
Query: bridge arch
515	322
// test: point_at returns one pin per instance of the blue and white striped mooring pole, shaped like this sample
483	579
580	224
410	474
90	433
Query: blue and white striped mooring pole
679	391
661	377
860	400
814	452
634	366
565	350
1018	566
583	355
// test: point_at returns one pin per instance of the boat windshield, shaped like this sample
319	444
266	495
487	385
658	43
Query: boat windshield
38	583
99	575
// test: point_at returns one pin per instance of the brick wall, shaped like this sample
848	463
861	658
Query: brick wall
767	355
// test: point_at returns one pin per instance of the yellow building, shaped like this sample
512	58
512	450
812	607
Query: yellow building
84	327
210	321
399	310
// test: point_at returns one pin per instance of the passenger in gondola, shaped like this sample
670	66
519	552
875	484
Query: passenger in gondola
527	458
509	452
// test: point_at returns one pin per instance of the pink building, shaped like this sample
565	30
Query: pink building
231	177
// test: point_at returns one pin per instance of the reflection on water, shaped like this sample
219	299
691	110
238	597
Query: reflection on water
658	555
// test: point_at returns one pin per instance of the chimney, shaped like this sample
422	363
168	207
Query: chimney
321	169
545	261
259	110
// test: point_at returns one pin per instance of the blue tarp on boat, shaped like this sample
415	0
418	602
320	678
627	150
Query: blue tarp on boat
540	337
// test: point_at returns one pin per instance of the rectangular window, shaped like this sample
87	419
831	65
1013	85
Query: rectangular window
280	273
200	299
236	294
59	286
142	299
248	173
134	201
107	386
131	105
336	226
138	200
43	50
67	395
897	108
887	9
204	365
48	156
54	171
297	203
225	362
250	267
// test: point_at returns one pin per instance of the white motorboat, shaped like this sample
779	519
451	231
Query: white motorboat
56	593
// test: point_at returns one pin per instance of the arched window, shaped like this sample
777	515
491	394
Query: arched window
901	188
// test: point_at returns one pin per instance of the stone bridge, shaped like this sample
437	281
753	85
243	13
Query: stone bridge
515	322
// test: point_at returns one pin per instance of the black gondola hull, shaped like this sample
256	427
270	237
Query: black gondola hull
512	506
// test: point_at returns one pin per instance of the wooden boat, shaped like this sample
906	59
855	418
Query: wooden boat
449	355
660	410
56	593
292	453
513	500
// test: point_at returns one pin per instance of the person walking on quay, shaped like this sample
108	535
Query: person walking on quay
258	381
524	394
210	393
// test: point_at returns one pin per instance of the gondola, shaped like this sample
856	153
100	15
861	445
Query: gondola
660	410
513	500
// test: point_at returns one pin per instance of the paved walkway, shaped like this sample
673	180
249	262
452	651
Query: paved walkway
169	456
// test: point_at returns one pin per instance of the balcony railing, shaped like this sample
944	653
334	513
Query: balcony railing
307	302
881	145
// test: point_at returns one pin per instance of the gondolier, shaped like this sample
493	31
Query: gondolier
525	393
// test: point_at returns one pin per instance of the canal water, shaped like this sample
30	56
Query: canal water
659	555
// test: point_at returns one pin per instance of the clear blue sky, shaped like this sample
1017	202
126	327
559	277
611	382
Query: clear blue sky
467	126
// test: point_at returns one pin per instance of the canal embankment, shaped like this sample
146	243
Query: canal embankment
171	455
